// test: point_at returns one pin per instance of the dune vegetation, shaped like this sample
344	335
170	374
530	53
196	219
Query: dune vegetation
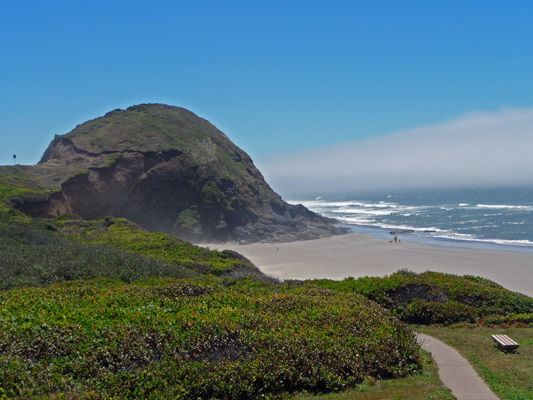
202	338
104	309
440	298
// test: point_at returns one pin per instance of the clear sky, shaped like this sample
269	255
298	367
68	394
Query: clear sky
275	76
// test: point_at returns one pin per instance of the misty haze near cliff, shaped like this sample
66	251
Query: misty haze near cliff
476	150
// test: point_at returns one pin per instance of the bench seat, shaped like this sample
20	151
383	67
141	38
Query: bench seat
505	342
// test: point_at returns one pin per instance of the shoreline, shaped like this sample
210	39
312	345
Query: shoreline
442	241
357	255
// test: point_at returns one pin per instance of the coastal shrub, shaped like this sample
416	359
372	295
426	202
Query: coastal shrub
34	257
17	185
433	297
212	195
511	319
125	235
188	220
423	312
69	217
194	338
41	252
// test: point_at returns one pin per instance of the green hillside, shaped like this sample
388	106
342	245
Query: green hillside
41	252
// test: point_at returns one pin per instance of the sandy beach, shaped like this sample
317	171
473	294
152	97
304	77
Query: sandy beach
360	255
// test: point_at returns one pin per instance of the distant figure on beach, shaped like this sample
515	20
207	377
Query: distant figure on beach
395	239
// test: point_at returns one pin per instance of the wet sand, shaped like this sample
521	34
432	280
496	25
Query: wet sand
360	255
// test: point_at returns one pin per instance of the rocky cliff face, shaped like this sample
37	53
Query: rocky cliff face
168	170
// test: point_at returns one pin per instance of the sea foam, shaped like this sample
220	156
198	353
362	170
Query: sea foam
502	217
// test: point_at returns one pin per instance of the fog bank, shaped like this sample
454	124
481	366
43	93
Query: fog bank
476	150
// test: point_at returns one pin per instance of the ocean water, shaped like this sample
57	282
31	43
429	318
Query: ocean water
494	219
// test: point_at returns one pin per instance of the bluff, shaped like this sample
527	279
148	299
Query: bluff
168	170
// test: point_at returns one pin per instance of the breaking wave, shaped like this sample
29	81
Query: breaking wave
502	217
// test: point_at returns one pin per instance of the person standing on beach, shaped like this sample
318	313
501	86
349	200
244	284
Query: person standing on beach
395	239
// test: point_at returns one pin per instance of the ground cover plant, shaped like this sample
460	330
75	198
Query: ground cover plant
125	235
439	298
41	252
196	338
509	375
34	257
423	385
16	184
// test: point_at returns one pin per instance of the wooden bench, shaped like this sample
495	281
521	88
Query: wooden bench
505	342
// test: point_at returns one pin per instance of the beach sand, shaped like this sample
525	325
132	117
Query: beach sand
360	255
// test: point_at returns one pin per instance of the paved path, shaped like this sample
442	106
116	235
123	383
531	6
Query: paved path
455	372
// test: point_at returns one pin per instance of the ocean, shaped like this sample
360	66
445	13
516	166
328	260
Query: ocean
490	219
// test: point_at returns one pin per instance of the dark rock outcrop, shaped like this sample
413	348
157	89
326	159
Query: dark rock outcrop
168	170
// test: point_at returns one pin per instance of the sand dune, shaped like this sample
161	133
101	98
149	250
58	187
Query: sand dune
359	255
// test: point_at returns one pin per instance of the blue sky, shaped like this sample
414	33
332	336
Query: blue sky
276	76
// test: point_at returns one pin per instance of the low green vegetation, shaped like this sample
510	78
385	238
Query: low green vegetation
127	130
509	375
201	338
423	385
188	220
42	252
104	309
36	257
462	311
125	235
212	195
16	186
439	298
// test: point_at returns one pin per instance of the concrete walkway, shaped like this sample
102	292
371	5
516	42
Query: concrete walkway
455	372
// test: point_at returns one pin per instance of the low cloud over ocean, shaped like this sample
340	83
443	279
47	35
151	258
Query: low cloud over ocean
476	150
